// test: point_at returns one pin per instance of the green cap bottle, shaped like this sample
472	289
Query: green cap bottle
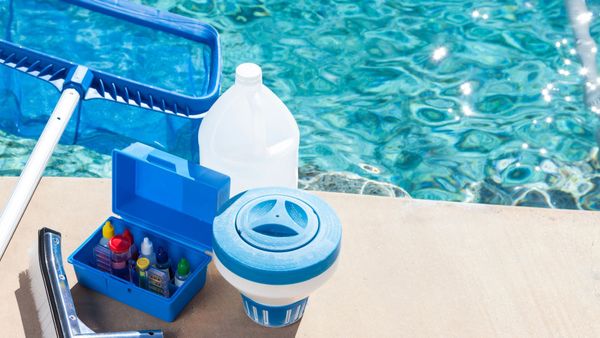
183	271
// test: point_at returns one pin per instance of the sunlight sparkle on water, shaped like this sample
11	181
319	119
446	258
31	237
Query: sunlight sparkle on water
439	53
466	109
466	88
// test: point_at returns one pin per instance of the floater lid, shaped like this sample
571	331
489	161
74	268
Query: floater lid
167	194
277	236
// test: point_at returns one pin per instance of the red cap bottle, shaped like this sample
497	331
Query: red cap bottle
133	249
119	244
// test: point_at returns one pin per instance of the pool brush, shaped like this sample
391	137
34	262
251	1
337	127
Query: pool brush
52	296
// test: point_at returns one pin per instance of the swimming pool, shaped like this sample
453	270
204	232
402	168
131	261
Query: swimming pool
451	100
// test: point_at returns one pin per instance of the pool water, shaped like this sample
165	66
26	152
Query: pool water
107	44
476	101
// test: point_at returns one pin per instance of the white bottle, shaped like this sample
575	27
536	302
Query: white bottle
147	251
250	135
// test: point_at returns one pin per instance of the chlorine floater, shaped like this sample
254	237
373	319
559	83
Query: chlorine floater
276	246
77	82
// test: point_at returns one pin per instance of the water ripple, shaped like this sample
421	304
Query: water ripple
454	100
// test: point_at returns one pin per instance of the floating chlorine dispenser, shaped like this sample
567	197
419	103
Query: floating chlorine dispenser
276	246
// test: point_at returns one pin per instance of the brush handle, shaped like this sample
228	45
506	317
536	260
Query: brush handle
62	308
32	173
125	334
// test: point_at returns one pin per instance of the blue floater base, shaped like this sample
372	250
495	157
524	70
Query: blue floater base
274	316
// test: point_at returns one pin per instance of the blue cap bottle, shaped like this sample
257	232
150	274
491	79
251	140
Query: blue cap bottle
163	262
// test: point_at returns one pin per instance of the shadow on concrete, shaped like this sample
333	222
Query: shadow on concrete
215	311
29	316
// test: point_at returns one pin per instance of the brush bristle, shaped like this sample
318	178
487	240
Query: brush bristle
40	296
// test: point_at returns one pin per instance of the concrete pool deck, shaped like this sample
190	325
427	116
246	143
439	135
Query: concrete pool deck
408	268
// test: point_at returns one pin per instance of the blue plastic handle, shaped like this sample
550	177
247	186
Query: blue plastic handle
161	162
169	162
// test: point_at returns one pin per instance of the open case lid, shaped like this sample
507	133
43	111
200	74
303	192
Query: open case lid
167	194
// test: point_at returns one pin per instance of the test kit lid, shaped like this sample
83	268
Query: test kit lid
167	194
277	236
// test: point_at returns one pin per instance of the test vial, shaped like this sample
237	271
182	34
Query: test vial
119	247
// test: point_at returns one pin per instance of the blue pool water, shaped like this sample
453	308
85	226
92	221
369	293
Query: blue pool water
453	100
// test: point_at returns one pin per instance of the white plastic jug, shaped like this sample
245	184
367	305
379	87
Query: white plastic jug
250	135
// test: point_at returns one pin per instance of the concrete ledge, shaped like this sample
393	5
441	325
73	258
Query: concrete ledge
408	268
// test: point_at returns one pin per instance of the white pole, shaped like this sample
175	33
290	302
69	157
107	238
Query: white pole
34	169
580	18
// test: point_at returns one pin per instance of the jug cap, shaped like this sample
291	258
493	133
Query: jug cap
248	74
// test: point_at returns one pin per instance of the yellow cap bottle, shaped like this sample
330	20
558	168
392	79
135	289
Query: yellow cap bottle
108	231
143	264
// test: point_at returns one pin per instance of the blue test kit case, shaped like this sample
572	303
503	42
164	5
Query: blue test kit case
169	200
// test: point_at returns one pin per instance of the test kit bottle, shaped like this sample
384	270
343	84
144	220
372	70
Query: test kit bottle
142	266
163	263
147	250
119	247
250	135
108	231
183	272
158	281
101	250
133	274
133	248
